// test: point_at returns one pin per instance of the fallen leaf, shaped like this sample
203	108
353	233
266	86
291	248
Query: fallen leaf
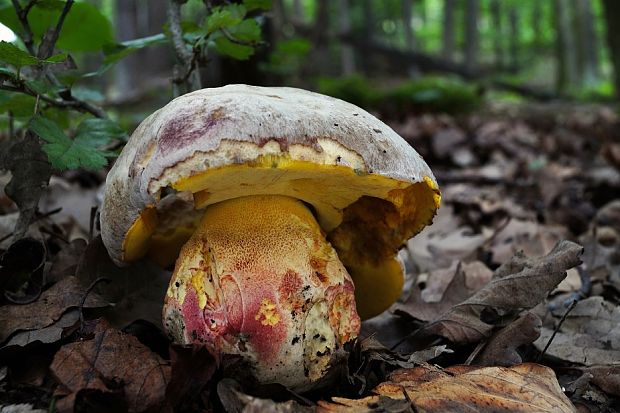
523	388
20	408
111	362
31	172
49	307
137	290
517	285
606	377
21	270
235	401
443	242
192	370
49	334
590	334
501	350
65	262
445	288
534	239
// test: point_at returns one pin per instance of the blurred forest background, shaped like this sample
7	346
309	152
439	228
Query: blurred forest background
432	55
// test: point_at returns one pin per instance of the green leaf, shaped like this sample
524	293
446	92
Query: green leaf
84	93
66	153
20	105
257	4
246	31
7	73
234	50
14	56
101	131
85	28
225	16
117	51
39	86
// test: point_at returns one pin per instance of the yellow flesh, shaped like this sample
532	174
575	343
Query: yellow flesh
347	204
258	269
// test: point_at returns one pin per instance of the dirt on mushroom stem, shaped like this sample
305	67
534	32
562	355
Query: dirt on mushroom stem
258	279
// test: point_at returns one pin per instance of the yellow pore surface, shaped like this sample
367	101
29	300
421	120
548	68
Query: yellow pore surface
366	216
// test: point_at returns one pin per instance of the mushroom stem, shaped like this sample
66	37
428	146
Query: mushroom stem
258	279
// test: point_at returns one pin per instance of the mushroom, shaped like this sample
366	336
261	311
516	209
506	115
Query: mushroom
284	209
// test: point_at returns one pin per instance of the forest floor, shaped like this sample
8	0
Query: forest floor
512	295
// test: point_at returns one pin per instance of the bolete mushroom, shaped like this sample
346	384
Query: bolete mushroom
277	204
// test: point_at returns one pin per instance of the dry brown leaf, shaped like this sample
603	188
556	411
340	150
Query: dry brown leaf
445	288
534	239
501	350
235	401
517	285
49	334
137	290
444	241
606	377
590	335
53	302
111	362
523	388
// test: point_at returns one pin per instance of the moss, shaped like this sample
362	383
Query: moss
426	94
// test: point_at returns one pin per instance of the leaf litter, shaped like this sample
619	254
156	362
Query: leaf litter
522	187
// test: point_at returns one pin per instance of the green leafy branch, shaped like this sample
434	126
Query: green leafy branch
229	29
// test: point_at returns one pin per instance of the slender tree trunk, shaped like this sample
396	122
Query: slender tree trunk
588	44
347	57
565	45
447	49
320	37
368	31
407	16
298	12
612	17
496	18
277	21
536	24
126	29
133	20
513	18
471	35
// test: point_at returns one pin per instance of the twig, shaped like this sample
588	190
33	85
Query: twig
83	300
45	51
51	37
476	351
52	234
73	103
22	15
568	310
185	57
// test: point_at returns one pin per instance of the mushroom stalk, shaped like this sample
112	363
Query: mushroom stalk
259	279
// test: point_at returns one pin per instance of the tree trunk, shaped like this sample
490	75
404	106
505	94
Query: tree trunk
347	58
471	35
513	18
407	16
496	18
367	32
298	12
612	17
537	13
145	67
447	49
588	44
565	45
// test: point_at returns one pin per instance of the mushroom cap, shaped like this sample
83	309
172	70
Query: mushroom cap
370	189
